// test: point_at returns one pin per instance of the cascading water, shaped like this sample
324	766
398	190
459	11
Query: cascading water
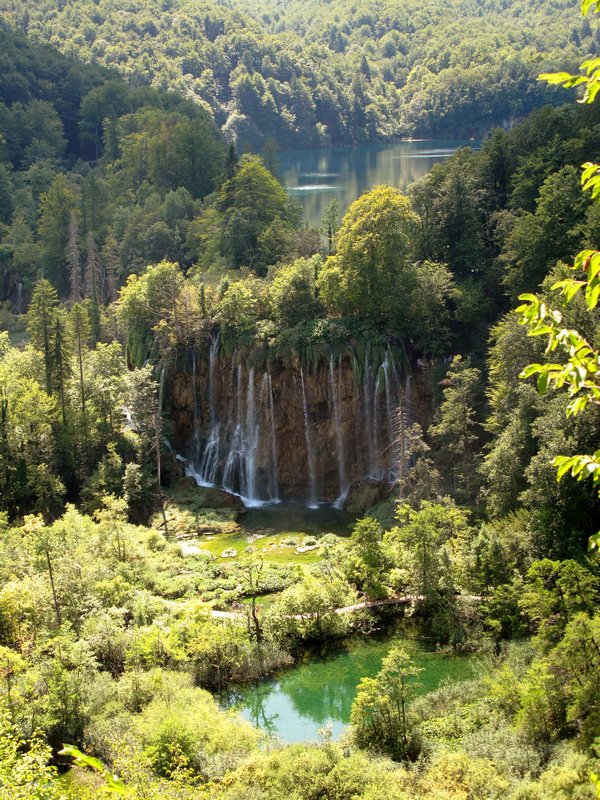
19	299
368	415
251	439
235	440
339	436
240	471
196	432
269	408
209	464
388	368
312	480
376	472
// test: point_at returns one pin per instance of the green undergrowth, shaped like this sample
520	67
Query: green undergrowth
280	548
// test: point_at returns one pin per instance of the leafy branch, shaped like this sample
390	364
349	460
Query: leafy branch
591	67
580	371
112	783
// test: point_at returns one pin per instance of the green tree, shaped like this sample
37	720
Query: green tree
579	370
292	292
371	275
74	261
537	241
454	433
56	208
237	314
42	319
554	593
79	330
380	715
250	202
366	562
330	225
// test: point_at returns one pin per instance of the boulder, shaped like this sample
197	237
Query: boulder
209	496
365	494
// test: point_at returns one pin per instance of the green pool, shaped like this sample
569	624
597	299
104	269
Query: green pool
319	692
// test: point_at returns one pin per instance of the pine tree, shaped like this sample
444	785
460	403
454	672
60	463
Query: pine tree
79	325
92	270
42	316
110	263
454	434
74	260
61	364
231	162
92	286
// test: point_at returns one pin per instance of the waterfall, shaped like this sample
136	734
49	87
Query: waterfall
240	471
404	422
273	474
234	465
376	471
368	414
212	364
234	442
251	439
195	435
393	402
19	299
339	437
385	396
388	368
209	464
313	503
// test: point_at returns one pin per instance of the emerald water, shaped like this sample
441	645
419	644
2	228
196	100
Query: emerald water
297	517
297	704
317	176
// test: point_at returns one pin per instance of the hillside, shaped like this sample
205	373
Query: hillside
312	73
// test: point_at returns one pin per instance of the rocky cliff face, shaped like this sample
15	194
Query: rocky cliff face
291	432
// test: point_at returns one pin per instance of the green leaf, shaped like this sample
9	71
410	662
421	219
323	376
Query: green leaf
587	4
542	383
531	369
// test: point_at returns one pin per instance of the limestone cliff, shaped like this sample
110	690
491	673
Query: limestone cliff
292	432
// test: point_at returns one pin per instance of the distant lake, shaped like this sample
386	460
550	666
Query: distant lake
317	176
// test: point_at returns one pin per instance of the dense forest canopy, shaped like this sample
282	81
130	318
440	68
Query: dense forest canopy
314	73
141	250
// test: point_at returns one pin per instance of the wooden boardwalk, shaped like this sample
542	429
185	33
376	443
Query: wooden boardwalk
388	601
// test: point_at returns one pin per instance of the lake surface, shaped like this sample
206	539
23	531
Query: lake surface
300	702
297	518
318	176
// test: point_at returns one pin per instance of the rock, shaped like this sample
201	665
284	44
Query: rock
208	496
231	552
365	494
188	549
346	409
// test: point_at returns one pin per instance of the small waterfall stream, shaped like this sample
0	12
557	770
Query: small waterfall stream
19	299
209	463
312	481
196	432
339	435
239	473
370	424
267	390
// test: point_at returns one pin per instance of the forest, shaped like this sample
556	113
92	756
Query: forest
177	346
313	73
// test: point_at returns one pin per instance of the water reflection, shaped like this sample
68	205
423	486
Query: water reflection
315	177
319	692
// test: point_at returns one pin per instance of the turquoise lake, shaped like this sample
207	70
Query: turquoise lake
319	692
317	176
